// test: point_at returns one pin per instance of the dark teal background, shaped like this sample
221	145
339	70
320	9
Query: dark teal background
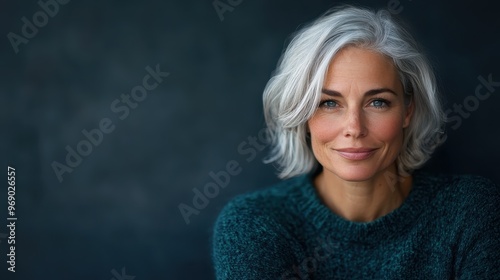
119	207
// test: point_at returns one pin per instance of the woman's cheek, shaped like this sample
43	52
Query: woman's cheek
386	128
323	128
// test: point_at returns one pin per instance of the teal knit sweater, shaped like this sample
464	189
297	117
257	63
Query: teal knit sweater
447	228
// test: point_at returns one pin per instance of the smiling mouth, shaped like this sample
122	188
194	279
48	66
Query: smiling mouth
356	153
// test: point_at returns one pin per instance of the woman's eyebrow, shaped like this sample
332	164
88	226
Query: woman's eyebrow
335	93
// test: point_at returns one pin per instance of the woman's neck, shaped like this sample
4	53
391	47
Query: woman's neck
363	201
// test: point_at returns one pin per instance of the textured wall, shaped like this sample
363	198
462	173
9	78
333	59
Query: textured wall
114	211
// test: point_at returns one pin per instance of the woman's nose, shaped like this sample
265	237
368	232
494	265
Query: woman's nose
354	124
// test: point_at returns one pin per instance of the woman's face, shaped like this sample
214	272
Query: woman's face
357	130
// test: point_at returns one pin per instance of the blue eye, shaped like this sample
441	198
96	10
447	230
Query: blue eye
380	103
328	104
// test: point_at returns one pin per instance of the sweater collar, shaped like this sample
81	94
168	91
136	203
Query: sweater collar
383	228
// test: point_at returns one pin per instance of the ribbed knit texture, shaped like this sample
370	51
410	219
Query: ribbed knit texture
447	228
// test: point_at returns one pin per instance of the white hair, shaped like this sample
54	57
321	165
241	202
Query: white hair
292	94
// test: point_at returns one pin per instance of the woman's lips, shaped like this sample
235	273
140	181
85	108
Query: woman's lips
356	153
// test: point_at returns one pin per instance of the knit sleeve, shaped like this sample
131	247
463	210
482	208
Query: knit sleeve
480	254
250	243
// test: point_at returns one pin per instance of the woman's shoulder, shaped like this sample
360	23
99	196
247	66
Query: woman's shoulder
463	187
466	210
274	210
255	230
470	198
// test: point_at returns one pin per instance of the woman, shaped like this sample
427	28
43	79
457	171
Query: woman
353	111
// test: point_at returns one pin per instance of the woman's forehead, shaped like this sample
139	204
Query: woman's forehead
359	67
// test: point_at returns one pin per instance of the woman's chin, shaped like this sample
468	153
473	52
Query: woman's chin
355	174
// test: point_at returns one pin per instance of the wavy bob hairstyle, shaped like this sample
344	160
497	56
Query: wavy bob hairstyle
293	93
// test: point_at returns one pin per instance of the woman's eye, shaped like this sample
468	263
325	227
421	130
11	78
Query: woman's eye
328	104
380	103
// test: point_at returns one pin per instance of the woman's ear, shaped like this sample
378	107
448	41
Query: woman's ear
410	108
